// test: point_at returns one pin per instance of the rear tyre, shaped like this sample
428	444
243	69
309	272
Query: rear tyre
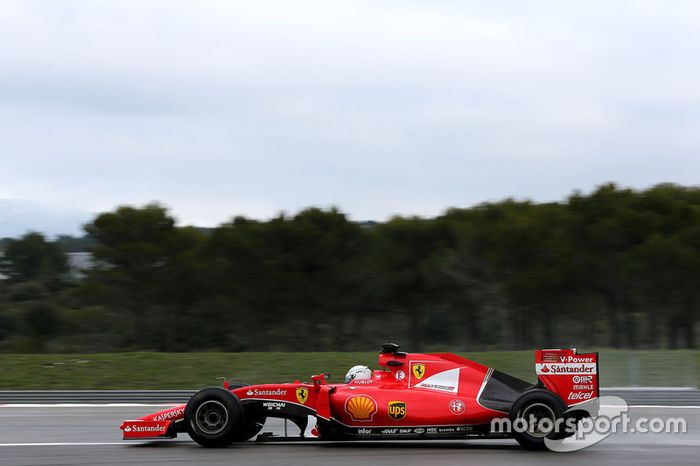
540	411
214	417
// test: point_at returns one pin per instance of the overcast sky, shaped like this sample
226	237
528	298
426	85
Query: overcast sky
378	107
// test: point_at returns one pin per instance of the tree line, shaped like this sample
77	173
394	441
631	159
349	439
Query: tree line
612	268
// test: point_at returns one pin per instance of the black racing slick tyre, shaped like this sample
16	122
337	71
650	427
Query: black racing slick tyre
214	417
537	405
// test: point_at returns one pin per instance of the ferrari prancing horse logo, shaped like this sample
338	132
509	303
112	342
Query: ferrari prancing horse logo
419	370
302	394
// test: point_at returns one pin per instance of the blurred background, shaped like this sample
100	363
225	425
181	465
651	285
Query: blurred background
222	186
615	268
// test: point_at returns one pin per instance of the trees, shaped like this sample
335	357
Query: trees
406	251
616	267
32	257
293	279
140	257
514	259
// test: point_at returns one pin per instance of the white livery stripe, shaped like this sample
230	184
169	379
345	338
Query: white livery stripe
445	381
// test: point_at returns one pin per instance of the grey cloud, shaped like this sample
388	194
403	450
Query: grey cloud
223	108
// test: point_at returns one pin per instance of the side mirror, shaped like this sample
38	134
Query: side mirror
389	348
225	381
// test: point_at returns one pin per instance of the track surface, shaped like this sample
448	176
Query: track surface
90	436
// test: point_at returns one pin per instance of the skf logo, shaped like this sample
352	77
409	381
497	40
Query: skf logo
397	410
419	371
361	408
302	394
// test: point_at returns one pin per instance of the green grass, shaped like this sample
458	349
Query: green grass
195	370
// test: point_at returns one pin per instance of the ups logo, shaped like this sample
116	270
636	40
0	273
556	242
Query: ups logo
397	410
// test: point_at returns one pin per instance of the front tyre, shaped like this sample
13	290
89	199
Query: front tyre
214	417
539	412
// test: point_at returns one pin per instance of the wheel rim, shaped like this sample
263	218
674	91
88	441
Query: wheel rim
211	417
538	411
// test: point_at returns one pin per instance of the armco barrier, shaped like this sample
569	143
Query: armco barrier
633	395
94	396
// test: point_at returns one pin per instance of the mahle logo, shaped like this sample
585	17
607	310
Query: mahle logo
397	410
419	370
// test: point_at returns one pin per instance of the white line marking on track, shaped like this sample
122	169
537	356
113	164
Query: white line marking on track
61	444
664	406
89	444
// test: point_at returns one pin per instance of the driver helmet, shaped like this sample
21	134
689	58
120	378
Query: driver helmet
358	373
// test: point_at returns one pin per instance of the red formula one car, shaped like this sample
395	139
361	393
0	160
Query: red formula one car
412	396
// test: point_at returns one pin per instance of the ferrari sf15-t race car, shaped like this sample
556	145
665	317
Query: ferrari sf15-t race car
412	396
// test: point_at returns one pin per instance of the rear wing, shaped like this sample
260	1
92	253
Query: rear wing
572	376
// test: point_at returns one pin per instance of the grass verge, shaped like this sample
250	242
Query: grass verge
145	370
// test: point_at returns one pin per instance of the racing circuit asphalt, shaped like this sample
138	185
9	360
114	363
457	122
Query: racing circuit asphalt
91	436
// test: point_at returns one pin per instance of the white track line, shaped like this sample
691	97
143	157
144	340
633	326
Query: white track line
665	406
61	444
92	444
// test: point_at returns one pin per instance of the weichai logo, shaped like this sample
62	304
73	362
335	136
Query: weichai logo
397	410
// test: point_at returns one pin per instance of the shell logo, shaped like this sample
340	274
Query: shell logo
361	408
